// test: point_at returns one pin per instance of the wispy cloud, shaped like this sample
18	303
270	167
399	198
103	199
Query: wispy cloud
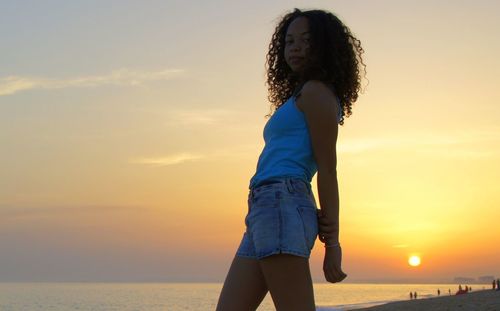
168	160
234	152
474	144
459	153
24	211
15	84
213	116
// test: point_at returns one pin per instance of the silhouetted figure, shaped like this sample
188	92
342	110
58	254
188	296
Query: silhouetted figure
466	288
498	284
439	292
411	295
493	284
415	295
449	291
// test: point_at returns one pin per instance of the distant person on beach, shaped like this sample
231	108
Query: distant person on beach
415	295
493	284
498	284
411	295
439	292
313	79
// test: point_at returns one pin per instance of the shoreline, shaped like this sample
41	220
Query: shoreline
487	299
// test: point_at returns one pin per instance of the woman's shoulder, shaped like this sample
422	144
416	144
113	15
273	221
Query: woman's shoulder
316	90
318	87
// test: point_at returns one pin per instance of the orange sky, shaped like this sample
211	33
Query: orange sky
129	135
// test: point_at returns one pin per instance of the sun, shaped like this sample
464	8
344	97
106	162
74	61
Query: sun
414	261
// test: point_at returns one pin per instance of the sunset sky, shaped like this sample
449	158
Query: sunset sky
129	133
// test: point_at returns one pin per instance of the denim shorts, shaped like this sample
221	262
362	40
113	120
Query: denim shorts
282	218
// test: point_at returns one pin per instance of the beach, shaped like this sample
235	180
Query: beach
477	301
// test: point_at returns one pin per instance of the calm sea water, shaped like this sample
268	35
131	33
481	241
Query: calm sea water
192	296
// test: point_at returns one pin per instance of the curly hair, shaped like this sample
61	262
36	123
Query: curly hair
334	58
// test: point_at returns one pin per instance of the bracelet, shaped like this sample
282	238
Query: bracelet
332	245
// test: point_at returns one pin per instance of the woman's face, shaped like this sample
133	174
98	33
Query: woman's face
297	46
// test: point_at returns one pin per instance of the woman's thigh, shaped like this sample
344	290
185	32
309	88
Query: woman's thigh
244	287
289	281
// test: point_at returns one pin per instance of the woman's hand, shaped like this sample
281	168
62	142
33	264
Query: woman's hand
328	233
331	264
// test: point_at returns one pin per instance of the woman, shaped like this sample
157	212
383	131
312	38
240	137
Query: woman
313	79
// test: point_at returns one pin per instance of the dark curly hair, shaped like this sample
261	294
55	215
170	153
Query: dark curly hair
335	58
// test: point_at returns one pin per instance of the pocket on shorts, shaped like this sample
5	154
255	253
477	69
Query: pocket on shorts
264	227
309	217
265	198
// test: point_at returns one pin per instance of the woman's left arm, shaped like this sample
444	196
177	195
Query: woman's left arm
319	105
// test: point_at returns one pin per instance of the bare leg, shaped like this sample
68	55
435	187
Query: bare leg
244	287
288	278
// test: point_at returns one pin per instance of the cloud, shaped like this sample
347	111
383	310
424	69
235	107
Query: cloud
233	152
26	211
459	153
476	144
15	84
168	160
204	117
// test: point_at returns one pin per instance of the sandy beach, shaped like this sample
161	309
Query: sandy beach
477	301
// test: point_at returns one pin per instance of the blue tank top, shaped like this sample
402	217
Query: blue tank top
288	150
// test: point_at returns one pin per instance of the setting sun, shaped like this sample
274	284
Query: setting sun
414	261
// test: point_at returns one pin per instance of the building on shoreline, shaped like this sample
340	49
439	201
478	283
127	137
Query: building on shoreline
463	279
486	279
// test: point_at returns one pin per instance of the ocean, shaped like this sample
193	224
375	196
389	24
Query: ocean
193	296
